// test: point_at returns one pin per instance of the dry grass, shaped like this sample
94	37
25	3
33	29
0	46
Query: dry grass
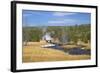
35	53
86	46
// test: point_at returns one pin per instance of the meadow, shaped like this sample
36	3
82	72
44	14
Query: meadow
35	53
69	37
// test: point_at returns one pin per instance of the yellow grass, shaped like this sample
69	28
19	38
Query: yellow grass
35	53
86	46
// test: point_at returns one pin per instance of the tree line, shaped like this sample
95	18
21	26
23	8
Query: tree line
63	33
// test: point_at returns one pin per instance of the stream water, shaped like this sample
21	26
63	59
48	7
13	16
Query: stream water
72	51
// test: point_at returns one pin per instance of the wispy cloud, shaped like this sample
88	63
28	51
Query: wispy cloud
62	21
52	22
31	13
30	25
27	14
62	13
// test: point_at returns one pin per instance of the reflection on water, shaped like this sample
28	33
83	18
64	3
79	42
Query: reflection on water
78	51
72	51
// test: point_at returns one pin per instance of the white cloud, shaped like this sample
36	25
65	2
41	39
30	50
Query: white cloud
27	14
70	20
62	13
31	13
56	22
62	21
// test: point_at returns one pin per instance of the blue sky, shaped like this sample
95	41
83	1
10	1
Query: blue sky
52	18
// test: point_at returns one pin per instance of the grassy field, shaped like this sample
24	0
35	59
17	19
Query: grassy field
35	53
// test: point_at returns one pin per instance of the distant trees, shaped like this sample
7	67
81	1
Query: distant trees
82	32
56	31
63	33
31	34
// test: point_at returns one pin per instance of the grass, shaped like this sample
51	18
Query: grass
35	53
